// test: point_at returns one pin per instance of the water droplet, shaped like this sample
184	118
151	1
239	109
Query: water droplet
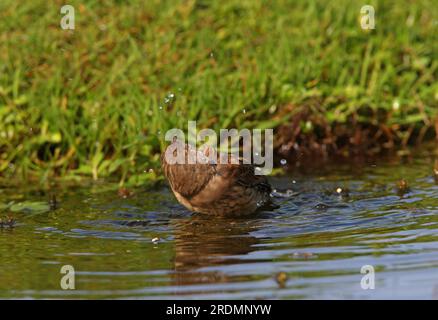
272	108
169	98
155	240
308	125
260	204
283	162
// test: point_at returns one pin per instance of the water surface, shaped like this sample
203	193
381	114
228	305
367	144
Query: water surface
319	238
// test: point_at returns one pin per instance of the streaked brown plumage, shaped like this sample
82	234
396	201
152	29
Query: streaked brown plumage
217	189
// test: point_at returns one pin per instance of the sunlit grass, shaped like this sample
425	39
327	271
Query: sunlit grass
92	102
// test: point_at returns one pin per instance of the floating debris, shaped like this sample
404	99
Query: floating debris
7	222
402	187
321	206
304	255
125	193
281	279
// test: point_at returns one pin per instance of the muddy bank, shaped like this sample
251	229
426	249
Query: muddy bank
308	137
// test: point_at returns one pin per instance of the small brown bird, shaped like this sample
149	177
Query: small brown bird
225	189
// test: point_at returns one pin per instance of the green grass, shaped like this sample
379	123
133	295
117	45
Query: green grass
92	102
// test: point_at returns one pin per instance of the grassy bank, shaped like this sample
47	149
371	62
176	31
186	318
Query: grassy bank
95	101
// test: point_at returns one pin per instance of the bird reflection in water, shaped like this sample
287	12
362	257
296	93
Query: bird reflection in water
204	242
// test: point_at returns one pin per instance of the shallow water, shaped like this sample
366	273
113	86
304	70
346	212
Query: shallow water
318	237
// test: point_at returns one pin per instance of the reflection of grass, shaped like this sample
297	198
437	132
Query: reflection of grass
93	101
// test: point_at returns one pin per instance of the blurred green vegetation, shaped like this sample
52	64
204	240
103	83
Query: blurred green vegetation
96	101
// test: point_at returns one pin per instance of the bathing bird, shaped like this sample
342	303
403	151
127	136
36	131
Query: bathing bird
214	187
